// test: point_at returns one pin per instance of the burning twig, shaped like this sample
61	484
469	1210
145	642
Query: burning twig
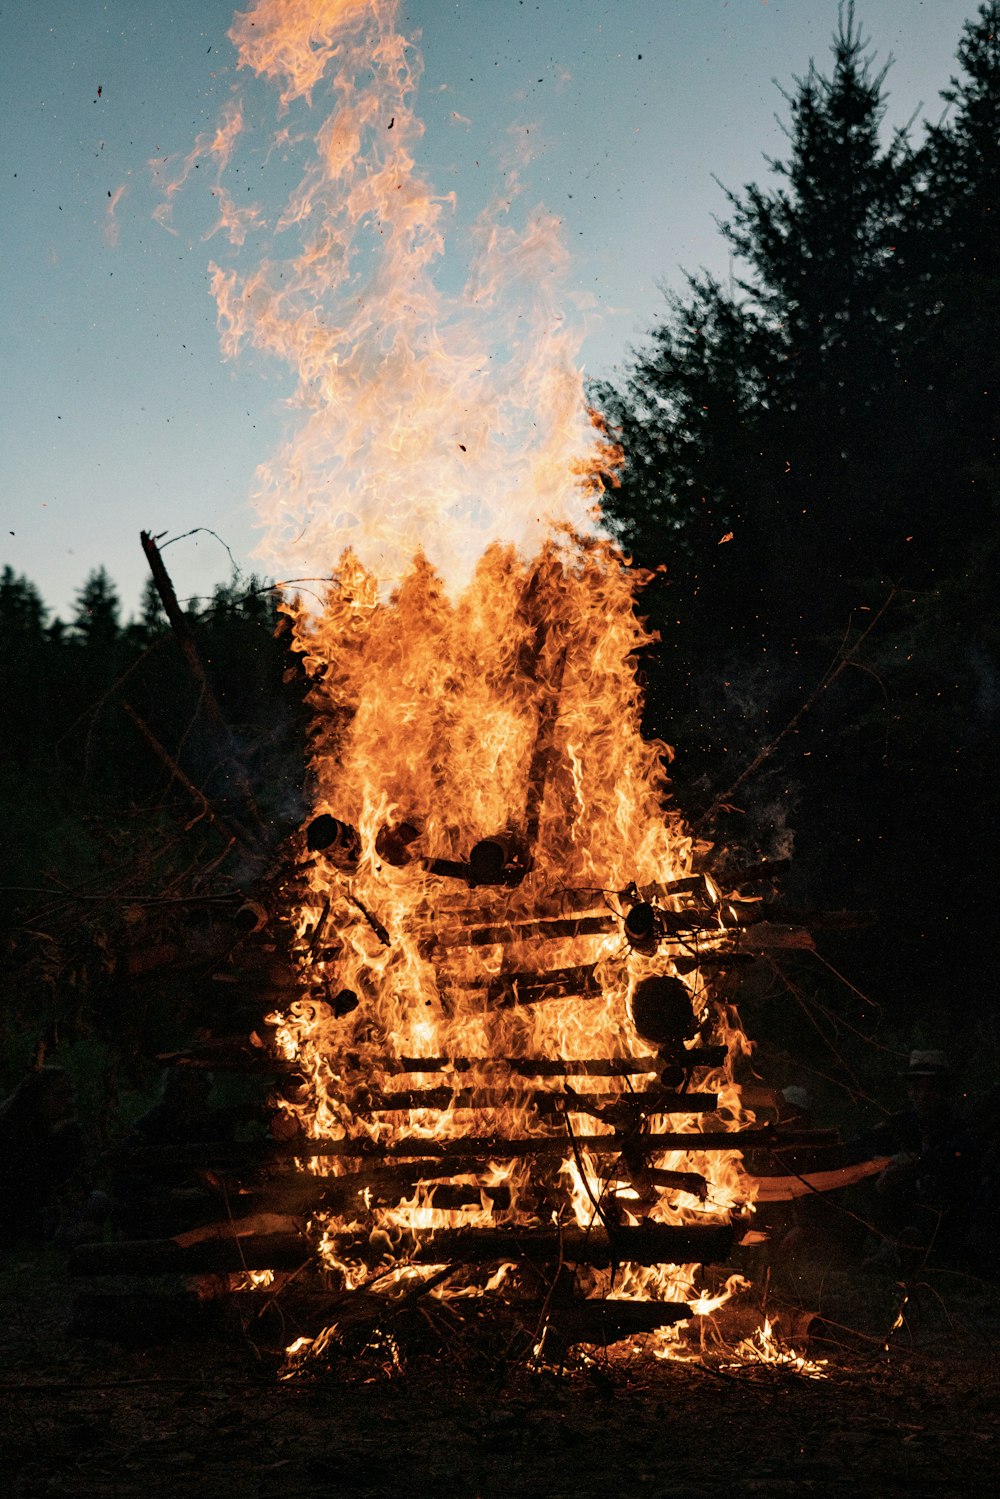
373	921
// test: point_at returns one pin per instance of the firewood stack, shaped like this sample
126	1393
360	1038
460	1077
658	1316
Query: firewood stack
264	1195
492	1081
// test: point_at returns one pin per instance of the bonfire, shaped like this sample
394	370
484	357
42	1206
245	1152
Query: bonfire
507	1042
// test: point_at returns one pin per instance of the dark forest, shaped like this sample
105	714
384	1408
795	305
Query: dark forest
803	477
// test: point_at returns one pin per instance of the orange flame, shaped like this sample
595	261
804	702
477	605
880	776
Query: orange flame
426	421
472	685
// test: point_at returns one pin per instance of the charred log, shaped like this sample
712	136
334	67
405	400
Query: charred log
643	929
662	1010
393	844
647	1244
499	860
653	1101
487	1147
508	989
335	840
602	1322
164	1256
467	1150
448	869
523	931
698	1056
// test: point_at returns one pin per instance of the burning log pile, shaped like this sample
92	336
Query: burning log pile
492	985
501	1062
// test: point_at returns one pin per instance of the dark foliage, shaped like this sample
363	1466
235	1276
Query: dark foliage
802	448
103	843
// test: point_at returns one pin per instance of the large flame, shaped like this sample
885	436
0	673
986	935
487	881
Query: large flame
439	723
472	674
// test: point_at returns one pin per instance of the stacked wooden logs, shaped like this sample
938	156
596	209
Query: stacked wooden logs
266	1189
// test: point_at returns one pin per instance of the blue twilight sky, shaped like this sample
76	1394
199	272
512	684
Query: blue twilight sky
118	411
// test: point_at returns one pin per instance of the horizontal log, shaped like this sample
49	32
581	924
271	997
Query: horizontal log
307	1192
506	934
652	1101
678	1181
244	1064
661	889
788	1188
804	1152
757	936
647	1179
252	1155
564	903
461	909
447	869
255	1059
264	1064
506	989
487	1147
523	1066
647	1244
761	937
689	1059
506	997
499	983
601	1322
717	958
167	1256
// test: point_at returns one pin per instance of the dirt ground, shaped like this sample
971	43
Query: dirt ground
193	1415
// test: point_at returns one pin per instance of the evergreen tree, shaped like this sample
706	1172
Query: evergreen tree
836	418
820	248
764	414
22	613
950	248
22	665
98	610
